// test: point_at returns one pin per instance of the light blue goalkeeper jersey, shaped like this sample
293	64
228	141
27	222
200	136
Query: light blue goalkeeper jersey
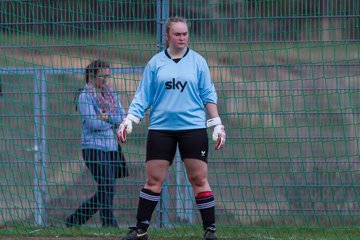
175	92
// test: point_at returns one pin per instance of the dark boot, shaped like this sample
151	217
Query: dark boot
82	214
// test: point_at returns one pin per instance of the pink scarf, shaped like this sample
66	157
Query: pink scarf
104	98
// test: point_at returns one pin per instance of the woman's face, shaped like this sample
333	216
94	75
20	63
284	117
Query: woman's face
101	78
178	36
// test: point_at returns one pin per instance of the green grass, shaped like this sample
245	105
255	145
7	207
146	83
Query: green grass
258	141
244	232
137	48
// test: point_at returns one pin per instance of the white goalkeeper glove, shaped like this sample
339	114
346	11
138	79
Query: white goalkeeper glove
218	135
126	127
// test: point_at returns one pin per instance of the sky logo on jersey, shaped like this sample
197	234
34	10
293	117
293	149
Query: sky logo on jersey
175	85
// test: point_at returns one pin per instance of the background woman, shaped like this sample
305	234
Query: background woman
101	113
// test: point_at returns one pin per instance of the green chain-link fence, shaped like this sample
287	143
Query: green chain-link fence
287	75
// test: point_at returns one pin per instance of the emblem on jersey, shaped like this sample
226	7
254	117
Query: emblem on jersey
175	85
203	153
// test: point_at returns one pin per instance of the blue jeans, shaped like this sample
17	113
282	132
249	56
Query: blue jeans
102	167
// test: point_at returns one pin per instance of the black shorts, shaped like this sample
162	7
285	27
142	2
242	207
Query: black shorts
161	144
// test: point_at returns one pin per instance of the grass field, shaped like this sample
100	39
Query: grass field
185	234
264	116
251	233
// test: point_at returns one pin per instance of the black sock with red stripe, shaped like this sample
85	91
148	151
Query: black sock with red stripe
206	205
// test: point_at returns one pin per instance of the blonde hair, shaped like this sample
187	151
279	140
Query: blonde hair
172	20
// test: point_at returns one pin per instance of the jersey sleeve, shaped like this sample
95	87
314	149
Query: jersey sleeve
144	95
206	85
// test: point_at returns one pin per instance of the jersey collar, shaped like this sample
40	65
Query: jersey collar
168	55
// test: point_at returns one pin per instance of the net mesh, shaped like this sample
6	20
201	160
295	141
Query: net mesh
287	76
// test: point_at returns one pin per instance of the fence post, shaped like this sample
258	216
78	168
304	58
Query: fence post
162	14
40	148
184	194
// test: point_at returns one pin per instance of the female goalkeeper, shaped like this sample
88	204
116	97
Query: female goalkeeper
176	84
